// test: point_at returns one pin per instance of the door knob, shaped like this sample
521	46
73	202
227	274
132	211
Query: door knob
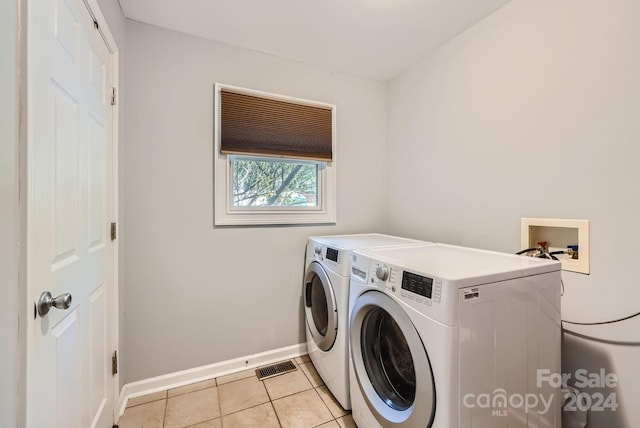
46	301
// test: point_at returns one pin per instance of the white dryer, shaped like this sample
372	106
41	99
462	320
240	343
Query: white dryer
326	300
444	336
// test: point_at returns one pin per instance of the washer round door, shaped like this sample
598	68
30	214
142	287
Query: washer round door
320	307
391	363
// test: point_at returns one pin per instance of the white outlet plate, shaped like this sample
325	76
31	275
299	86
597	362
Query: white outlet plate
559	233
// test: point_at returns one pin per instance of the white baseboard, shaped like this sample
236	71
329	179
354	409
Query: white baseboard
210	371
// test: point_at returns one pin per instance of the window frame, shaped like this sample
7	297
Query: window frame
226	214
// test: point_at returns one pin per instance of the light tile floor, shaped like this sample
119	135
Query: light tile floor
298	399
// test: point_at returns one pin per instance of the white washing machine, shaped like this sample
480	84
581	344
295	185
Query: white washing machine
444	336
326	300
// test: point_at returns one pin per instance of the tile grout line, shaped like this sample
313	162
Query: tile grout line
166	406
308	376
275	413
142	404
325	405
266	389
219	404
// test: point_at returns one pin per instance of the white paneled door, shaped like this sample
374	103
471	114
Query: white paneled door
70	208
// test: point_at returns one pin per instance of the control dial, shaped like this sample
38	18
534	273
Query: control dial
317	250
382	272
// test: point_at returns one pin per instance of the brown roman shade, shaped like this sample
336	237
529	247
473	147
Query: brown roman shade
252	125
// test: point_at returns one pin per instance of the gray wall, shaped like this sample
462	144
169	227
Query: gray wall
117	25
196	294
534	113
9	214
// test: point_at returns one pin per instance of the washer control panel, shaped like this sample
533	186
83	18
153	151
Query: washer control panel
417	284
421	289
430	295
382	272
405	284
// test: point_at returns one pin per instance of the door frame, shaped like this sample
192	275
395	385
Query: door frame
26	307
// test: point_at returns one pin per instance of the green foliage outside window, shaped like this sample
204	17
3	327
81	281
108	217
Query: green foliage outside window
274	183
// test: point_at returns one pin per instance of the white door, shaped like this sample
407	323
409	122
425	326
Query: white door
69	209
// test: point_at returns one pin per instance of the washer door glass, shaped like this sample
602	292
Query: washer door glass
320	307
392	368
387	359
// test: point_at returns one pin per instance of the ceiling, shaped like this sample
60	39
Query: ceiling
375	39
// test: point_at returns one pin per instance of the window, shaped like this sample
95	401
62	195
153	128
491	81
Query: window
274	159
274	183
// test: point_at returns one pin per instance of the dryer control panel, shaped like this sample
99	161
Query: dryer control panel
331	257
332	254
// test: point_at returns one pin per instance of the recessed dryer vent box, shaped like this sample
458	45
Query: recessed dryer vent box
559	234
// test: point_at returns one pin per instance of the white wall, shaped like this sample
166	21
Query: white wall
9	214
196	294
533	113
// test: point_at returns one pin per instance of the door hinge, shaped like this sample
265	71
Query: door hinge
114	96
114	232
114	363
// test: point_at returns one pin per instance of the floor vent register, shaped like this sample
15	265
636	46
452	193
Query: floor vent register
275	370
